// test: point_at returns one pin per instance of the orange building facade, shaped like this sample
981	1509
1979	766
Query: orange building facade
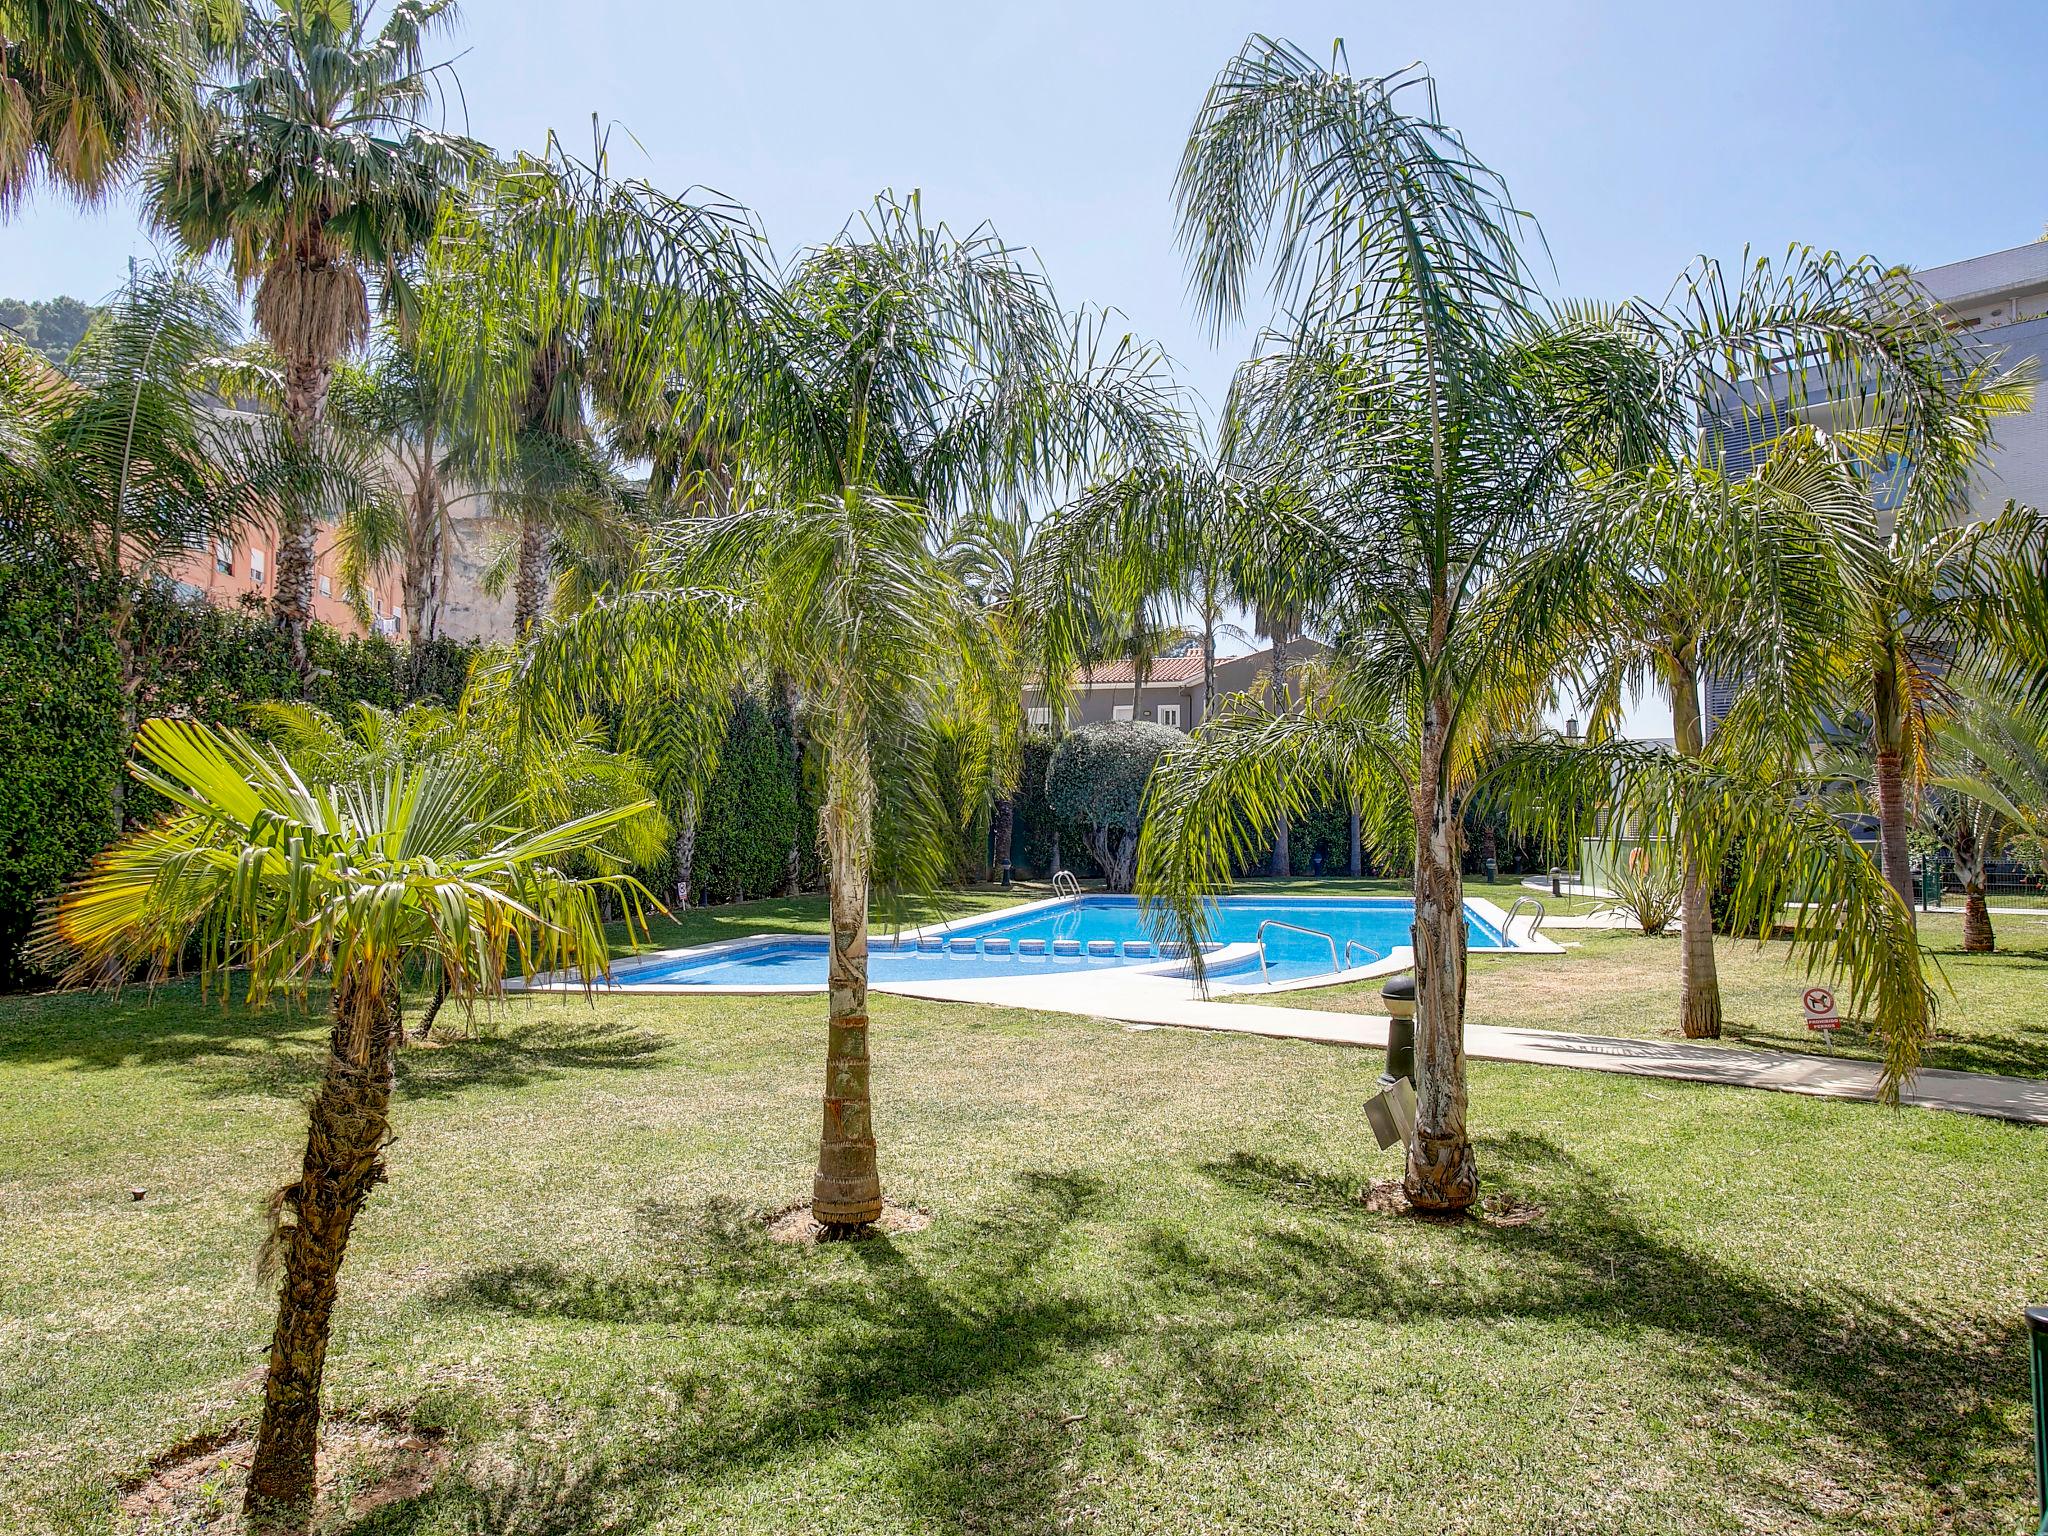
247	567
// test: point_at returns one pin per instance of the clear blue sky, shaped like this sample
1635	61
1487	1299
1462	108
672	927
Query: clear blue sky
1639	133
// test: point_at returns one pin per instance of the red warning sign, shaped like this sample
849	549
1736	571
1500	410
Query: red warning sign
1818	1003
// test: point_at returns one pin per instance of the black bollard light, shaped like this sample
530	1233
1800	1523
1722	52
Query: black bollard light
1398	996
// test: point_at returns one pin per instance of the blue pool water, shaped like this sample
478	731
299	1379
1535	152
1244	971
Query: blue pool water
1089	933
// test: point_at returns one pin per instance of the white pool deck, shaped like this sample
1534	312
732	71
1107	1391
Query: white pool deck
1156	1001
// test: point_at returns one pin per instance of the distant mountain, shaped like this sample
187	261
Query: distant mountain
51	326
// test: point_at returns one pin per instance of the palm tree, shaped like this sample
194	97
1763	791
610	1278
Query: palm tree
258	871
579	298
86	86
1436	420
900	379
1910	563
1697	574
312	168
397	402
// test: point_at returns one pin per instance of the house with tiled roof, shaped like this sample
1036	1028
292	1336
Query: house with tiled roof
1172	692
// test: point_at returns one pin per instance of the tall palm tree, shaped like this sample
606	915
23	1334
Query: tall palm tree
1436	417
257	871
580	295
1909	563
917	374
312	169
397	401
901	378
1697	574
87	86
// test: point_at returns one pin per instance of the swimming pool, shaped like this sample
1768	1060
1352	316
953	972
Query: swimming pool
1082	933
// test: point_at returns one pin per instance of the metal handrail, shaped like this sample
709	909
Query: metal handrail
1064	883
1508	928
1371	954
1314	933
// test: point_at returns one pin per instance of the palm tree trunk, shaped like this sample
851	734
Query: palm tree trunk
1978	939
1005	830
1889	726
1357	865
1282	863
1699	1009
306	379
529	585
847	1191
424	557
1442	1174
350	1123
685	847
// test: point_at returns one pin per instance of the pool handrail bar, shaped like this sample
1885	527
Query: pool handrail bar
1336	966
1371	954
1507	929
1064	883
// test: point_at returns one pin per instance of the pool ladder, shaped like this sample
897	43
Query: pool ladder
1508	928
1064	884
1337	967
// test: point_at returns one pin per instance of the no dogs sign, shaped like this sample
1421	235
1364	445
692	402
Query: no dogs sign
1818	1004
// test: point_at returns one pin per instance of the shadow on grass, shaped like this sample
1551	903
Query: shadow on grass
1933	1395
870	1336
968	1340
231	1049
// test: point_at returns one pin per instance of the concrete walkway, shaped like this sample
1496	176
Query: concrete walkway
1152	1000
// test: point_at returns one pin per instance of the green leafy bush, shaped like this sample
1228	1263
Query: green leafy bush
750	810
60	717
1097	778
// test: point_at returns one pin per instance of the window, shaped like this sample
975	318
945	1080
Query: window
326	587
224	558
1120	712
256	567
1040	715
1169	714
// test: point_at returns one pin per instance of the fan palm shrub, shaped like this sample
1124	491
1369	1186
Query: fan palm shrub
257	870
311	170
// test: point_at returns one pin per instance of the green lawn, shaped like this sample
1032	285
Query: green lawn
1148	1300
1993	1008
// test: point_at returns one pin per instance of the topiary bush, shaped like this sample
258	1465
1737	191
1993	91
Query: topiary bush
750	811
1097	777
60	717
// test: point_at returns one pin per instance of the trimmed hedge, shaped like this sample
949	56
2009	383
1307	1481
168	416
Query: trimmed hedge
60	717
60	709
751	811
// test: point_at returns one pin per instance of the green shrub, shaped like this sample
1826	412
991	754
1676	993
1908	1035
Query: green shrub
60	717
1097	778
750	811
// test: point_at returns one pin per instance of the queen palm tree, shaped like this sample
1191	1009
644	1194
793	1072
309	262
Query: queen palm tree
1437	418
256	870
87	86
900	378
580	296
312	169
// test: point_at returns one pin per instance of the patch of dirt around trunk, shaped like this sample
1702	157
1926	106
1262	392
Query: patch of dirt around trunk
1386	1197
195	1488
793	1224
